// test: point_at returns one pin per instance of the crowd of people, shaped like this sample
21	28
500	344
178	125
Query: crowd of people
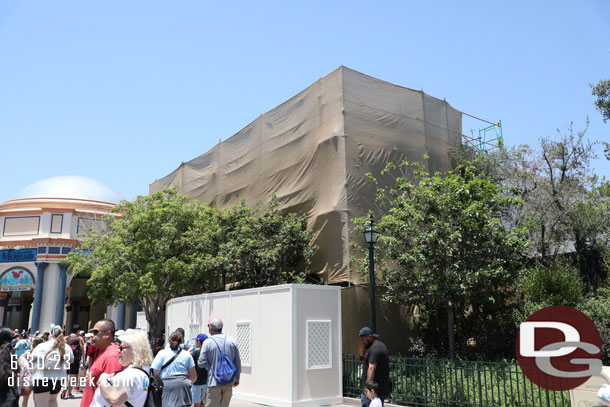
116	368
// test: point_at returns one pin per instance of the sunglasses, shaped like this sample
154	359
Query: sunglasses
123	347
97	331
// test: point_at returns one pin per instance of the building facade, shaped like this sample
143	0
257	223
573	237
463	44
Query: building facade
39	228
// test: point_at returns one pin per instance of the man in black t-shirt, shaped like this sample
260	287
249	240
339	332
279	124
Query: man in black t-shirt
376	364
198	388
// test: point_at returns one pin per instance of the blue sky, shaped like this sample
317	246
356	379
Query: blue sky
124	91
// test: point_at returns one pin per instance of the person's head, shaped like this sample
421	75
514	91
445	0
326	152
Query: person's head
215	325
199	340
75	329
45	335
118	334
6	335
6	367
103	333
367	337
37	341
59	343
370	390
175	339
181	331
135	349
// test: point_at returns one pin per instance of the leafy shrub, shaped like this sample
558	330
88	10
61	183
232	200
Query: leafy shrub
558	284
597	307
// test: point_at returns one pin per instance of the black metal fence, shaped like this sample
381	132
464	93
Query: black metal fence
443	383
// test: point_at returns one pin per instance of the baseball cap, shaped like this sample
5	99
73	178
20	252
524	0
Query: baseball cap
201	337
215	323
366	331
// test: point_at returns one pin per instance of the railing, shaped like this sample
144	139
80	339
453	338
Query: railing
445	383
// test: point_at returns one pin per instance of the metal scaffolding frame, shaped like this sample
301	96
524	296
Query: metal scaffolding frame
488	138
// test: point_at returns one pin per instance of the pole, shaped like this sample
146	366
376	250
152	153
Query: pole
37	297
60	303
372	288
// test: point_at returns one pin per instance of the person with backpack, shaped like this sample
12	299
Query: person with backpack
131	386
76	344
220	355
177	370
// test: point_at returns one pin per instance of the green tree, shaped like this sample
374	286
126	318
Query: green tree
570	204
447	248
602	92
157	248
259	249
566	202
163	246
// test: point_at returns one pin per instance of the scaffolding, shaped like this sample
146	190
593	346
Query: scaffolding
487	138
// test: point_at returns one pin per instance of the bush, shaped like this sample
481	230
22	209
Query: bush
597	307
558	284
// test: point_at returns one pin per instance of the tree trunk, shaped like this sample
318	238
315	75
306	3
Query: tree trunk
153	315
590	262
543	242
450	329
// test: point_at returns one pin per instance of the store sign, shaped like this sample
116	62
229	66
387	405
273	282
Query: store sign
17	279
13	256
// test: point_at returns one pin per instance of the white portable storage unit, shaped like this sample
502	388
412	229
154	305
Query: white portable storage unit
289	339
141	322
586	393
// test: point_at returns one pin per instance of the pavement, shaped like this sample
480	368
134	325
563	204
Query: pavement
75	402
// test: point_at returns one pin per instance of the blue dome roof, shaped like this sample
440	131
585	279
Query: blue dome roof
71	187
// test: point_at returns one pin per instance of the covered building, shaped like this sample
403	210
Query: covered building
313	152
45	222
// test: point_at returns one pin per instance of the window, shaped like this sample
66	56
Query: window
88	226
319	345
57	221
192	332
243	338
21	225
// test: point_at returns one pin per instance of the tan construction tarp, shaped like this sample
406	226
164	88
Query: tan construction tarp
313	152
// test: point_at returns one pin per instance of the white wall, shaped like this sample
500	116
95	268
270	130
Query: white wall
318	305
277	373
275	345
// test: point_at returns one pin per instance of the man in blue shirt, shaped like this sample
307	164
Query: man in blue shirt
218	395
